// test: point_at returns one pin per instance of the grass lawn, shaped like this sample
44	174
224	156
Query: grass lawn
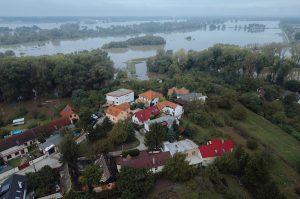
15	162
284	145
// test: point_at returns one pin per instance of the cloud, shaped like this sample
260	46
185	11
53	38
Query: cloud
149	7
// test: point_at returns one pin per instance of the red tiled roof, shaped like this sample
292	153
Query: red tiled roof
150	95
67	111
179	91
164	104
216	148
145	160
31	134
145	114
116	110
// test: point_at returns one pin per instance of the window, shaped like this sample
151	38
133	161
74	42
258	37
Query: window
17	153
22	152
9	157
25	143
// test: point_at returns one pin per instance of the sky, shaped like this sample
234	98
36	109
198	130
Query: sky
267	8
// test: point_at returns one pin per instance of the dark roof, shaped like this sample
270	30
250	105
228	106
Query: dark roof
14	187
31	134
110	171
145	160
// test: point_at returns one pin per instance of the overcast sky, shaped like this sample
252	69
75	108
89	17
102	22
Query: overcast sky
149	7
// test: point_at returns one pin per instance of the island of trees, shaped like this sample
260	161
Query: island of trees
147	40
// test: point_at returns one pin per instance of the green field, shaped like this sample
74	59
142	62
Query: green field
284	145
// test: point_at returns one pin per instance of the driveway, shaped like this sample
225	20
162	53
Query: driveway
141	146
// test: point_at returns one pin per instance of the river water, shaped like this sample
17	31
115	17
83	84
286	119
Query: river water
175	41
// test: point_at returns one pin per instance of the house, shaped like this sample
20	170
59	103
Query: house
120	96
109	168
215	148
14	187
51	144
150	98
192	97
68	112
187	147
170	108
164	120
154	161
177	91
145	115
118	113
17	145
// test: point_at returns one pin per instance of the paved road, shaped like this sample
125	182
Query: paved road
141	146
52	161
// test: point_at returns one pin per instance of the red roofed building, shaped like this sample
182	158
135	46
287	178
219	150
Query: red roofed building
178	91
17	145
150	97
171	108
145	115
154	161
67	111
118	113
215	148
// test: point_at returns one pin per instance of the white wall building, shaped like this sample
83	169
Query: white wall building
187	147
120	96
171	108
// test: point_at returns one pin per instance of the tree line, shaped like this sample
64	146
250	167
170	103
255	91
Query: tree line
57	75
19	35
147	40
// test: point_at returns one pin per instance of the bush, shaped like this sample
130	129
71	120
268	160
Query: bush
252	144
32	125
238	112
22	112
132	153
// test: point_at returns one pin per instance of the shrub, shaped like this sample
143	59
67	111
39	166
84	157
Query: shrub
132	153
238	112
22	112
32	125
252	144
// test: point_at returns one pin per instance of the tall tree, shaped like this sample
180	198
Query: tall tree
177	168
155	137
134	183
70	151
91	176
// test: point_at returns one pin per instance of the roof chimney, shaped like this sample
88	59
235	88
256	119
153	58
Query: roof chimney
153	160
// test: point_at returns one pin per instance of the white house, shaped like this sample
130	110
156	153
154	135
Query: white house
150	98
171	108
187	147
120	96
192	97
165	121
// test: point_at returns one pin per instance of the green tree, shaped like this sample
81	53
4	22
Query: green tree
101	130
177	168
155	137
91	176
134	183
77	96
121	132
70	151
